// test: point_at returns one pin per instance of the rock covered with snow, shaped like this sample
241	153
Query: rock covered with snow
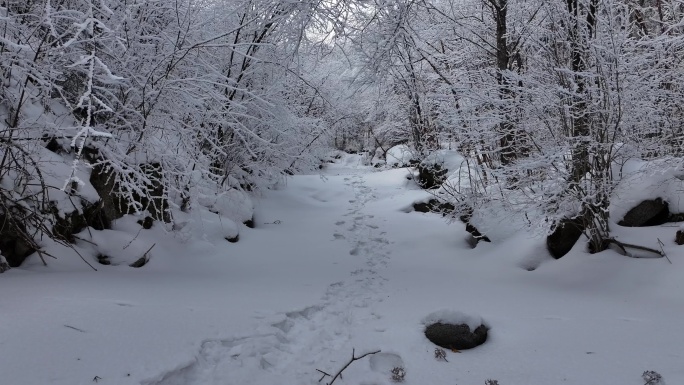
679	237
234	204
455	330
648	192
449	168
650	212
432	171
564	236
400	156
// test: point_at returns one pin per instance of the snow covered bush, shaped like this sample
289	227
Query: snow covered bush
547	99
141	97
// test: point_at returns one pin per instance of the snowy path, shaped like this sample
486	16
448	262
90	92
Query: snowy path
336	263
294	345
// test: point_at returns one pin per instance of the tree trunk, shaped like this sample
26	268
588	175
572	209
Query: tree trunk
507	137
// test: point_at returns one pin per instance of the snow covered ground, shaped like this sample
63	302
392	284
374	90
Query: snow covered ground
335	263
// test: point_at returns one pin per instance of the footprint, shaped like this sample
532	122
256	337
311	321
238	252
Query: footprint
285	325
305	313
385	362
338	236
340	223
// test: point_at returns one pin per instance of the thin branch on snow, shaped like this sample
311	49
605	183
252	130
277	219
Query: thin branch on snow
339	373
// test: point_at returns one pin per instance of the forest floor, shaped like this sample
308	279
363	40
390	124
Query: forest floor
338	263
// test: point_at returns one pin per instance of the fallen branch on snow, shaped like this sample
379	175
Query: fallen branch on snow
624	246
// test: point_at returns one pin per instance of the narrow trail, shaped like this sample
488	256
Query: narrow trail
289	349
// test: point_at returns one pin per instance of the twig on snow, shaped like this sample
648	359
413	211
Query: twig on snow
661	244
339	373
75	328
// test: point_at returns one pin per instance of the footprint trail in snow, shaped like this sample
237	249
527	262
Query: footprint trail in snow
290	349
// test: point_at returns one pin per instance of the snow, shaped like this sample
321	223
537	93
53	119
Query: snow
334	264
447	316
449	159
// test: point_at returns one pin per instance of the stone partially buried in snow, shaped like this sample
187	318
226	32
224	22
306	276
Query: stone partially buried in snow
564	237
679	237
14	244
436	167
651	212
455	330
233	204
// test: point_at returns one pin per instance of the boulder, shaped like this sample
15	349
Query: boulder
114	206
431	176
651	212
459	337
434	170
475	235
4	266
676	217
90	214
146	223
434	206
564	236
249	223
13	241
679	237
140	262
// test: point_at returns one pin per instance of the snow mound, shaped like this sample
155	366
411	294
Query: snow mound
399	156
648	180
453	317
234	204
455	173
116	247
447	159
462	179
